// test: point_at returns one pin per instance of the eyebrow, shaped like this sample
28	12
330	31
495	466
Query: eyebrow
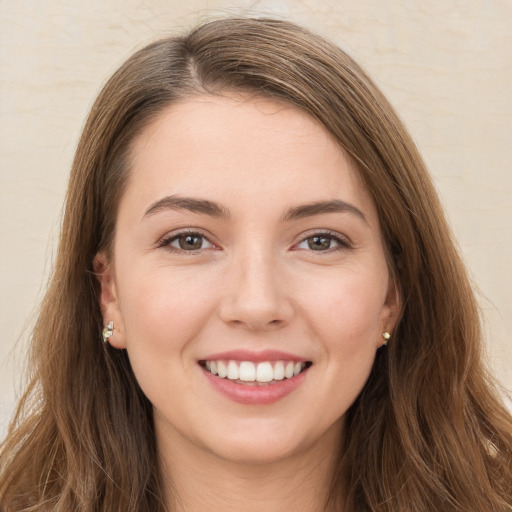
213	209
320	207
188	203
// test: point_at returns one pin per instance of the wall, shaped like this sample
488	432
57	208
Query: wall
445	65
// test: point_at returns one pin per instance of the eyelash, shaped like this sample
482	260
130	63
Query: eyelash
167	241
343	243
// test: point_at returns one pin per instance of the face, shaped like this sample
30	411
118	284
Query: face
248	280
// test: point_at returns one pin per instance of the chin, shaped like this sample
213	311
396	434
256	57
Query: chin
257	452
261	444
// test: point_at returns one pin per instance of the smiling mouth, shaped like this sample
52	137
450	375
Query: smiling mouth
256	374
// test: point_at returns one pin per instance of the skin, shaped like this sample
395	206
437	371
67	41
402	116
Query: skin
257	282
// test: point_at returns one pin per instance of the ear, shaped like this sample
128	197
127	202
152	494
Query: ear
390	311
109	301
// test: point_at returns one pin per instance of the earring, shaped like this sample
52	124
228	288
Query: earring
107	331
386	337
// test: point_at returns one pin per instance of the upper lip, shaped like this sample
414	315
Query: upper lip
255	356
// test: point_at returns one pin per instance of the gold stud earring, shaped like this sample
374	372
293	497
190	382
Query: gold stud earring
108	331
386	337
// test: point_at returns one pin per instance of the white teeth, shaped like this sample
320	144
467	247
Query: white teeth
279	371
264	372
247	371
232	370
221	369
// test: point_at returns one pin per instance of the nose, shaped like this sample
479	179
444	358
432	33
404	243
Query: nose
255	294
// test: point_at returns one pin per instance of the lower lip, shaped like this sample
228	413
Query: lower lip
248	394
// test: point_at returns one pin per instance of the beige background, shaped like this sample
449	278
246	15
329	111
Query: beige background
445	64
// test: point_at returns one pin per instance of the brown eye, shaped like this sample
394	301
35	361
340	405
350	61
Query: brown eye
190	242
324	242
186	242
319	243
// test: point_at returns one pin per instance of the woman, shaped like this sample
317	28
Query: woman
285	321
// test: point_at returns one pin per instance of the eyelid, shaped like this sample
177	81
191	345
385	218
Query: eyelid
165	241
343	240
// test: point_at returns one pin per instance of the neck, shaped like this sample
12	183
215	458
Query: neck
196	480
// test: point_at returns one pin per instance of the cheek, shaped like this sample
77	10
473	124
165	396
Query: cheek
347	307
346	324
343	317
163	311
163	308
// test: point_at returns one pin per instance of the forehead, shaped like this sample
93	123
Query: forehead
216	119
254	147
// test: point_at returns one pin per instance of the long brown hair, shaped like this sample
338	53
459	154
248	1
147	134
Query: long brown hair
428	432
